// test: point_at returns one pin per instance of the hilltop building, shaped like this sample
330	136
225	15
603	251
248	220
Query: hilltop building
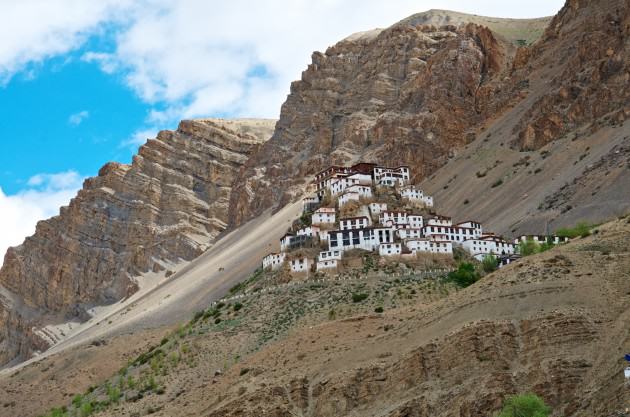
377	228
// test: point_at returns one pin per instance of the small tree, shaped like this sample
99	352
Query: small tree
525	405
528	247
582	229
465	275
548	244
306	218
489	263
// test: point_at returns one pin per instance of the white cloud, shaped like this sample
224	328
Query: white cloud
198	57
104	60
76	118
139	137
34	30
19	213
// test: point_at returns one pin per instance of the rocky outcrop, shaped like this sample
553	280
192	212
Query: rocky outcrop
131	219
407	94
584	57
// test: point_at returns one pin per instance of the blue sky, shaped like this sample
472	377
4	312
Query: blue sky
83	83
77	117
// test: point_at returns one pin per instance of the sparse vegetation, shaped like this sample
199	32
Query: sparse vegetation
358	297
528	247
464	275
582	229
490	263
244	284
497	183
525	405
148	373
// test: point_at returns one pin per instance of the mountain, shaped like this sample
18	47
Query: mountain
408	94
419	94
520	124
148	217
559	155
456	97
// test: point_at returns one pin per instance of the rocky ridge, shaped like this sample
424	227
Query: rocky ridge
164	208
422	90
407	94
584	57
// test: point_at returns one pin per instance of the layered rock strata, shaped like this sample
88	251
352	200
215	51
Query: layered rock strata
163	208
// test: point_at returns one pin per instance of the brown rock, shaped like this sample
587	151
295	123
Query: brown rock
165	207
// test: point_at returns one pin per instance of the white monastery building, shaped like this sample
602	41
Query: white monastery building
392	218
541	239
488	245
402	230
377	208
323	215
274	260
347	197
326	265
364	191
354	223
330	255
301	265
389	249
411	193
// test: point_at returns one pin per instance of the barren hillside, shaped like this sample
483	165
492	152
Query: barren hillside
554	323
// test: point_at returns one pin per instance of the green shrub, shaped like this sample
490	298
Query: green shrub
464	275
525	405
490	263
150	385
582	229
77	400
528	247
58	412
113	393
305	218
378	309
86	409
358	297
497	183
237	306
196	317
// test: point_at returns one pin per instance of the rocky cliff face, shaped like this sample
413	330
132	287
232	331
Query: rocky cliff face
407	94
418	92
163	208
584	57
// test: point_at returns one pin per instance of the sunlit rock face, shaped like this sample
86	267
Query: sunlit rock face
165	207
